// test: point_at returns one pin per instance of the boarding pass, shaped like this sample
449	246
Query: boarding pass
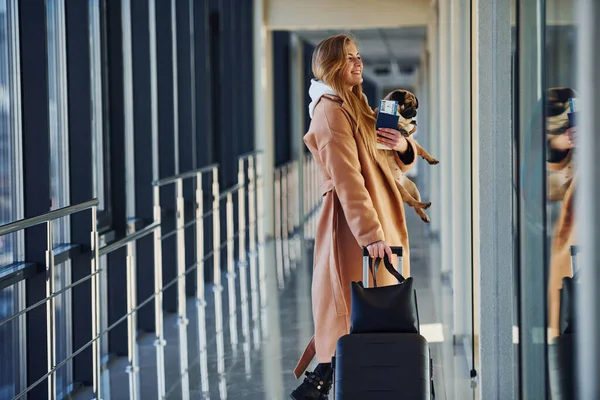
388	107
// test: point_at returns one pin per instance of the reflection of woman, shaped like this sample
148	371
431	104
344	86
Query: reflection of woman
561	187
362	205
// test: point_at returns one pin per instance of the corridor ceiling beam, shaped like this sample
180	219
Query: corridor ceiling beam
295	15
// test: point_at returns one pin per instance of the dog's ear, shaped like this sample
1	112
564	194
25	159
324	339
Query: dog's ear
389	95
399	96
416	102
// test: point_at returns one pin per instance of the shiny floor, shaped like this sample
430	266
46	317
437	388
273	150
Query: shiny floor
253	355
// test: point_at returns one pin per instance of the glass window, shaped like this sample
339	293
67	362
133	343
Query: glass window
96	86
58	114
561	156
59	180
12	362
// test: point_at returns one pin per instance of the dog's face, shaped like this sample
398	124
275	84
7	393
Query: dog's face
557	109
407	102
407	110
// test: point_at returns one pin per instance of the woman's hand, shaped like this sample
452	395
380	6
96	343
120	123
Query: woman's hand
392	139
566	141
379	249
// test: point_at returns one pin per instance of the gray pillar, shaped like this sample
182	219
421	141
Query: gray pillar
588	214
433	113
445	132
494	209
297	110
264	138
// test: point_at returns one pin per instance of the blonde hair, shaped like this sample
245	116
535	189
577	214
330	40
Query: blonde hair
328	62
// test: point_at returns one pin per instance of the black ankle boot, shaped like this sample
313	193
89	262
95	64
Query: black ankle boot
316	385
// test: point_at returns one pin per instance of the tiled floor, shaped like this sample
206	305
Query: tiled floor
257	350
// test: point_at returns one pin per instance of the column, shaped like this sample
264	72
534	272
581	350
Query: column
493	214
263	107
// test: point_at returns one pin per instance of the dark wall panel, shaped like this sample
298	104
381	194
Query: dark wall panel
36	161
80	168
164	43
142	114
281	96
115	122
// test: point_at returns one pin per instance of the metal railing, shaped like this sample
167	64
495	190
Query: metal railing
51	294
248	238
244	233
290	221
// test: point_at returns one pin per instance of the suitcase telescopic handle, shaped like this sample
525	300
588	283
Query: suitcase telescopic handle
574	267
397	250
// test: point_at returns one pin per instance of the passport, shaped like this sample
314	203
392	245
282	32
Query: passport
387	117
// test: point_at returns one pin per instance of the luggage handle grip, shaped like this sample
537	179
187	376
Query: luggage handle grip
397	250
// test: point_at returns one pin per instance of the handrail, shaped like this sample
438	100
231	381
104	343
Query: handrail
128	239
184	175
49	216
229	191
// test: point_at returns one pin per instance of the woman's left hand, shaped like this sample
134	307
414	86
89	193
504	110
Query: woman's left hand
392	139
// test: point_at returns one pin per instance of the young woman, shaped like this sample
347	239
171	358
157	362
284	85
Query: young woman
362	204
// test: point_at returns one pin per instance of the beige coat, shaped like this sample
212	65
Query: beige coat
361	205
562	240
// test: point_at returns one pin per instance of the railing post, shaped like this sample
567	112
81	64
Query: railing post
243	264
51	312
252	244
200	294
96	304
181	295
278	229
242	213
231	275
262	275
259	199
285	218
158	298
217	286
132	349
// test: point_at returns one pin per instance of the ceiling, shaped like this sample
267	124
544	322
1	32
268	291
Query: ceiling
391	56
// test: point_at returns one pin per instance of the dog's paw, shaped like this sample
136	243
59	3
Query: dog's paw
426	219
426	205
433	162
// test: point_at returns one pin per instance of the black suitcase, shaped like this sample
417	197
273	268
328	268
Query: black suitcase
382	366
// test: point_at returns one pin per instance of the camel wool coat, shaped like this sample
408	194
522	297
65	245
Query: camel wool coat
361	205
560	254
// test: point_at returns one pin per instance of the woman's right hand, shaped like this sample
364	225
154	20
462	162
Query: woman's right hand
379	250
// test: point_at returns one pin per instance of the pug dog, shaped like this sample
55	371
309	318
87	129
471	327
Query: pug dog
407	125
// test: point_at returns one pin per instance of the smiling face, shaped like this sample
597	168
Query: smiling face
352	74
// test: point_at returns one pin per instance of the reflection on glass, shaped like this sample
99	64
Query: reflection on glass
58	114
183	359
255	299
96	92
245	305
12	362
561	133
561	186
202	347
59	177
218	293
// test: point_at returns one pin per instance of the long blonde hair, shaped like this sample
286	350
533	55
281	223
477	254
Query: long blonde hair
328	62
